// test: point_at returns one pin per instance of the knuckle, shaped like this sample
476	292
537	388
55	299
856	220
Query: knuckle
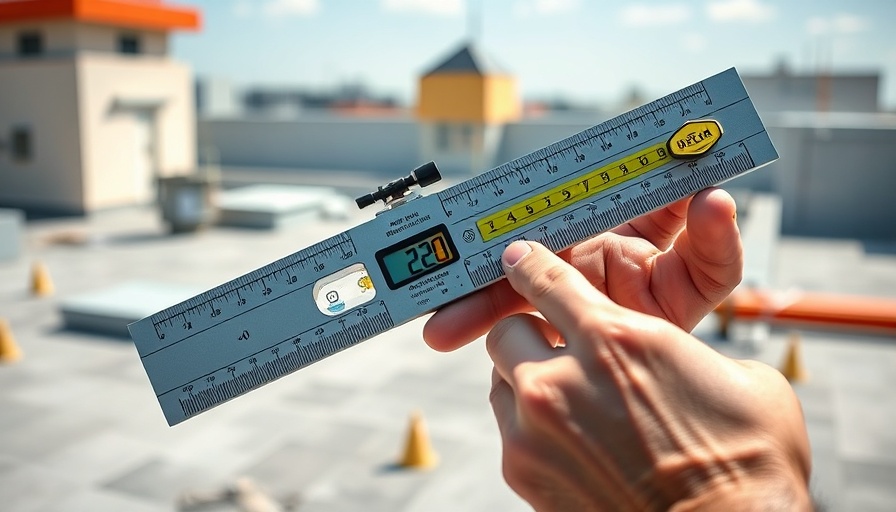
517	471
499	333
538	395
546	280
521	465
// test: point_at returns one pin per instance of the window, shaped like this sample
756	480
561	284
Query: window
129	44
443	137
21	145
454	137
30	44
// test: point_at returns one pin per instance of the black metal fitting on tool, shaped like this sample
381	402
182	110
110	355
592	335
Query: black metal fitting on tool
423	176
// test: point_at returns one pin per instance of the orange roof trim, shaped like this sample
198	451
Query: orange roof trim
148	14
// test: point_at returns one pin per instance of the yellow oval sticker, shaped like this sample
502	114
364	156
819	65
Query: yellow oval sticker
694	138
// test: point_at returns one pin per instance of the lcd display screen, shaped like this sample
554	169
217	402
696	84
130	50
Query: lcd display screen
416	256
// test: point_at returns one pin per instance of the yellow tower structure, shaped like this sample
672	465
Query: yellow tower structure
464	103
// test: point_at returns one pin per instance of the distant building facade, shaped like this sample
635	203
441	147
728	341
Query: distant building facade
464	103
92	109
784	90
834	176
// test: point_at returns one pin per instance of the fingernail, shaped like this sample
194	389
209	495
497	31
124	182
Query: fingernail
515	252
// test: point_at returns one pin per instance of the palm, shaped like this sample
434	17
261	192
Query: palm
676	263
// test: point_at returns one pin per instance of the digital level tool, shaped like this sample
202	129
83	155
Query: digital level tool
421	253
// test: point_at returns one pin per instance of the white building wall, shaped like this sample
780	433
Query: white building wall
836	175
40	95
64	38
837	93
388	146
104	39
58	37
525	137
460	150
112	90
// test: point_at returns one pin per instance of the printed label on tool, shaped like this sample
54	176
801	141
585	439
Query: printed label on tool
694	138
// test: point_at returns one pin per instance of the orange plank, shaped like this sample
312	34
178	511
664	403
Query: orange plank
823	309
149	15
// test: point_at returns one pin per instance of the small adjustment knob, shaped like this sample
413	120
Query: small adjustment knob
422	176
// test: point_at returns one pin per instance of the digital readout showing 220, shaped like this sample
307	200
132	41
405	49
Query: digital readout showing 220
416	256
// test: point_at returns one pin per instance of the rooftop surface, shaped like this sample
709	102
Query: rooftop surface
80	428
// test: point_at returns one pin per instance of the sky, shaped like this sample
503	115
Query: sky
588	51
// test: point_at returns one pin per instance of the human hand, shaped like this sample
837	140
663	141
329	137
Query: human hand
604	408
675	263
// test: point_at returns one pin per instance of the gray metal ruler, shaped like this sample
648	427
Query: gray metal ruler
421	254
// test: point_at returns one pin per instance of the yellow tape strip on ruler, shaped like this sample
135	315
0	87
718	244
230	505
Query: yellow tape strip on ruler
582	187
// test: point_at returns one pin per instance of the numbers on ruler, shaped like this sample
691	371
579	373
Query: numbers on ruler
243	336
516	179
231	299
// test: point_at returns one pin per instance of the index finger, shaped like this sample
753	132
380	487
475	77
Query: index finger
560	292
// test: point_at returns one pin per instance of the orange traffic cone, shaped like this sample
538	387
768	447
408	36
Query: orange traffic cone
41	283
9	349
792	367
418	452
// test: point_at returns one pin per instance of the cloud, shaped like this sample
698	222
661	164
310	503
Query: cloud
643	15
837	24
433	7
242	9
298	8
526	8
274	8
693	42
739	10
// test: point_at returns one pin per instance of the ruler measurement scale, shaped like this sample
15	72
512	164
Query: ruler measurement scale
414	258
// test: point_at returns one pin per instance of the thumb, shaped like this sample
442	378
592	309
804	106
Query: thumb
556	289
